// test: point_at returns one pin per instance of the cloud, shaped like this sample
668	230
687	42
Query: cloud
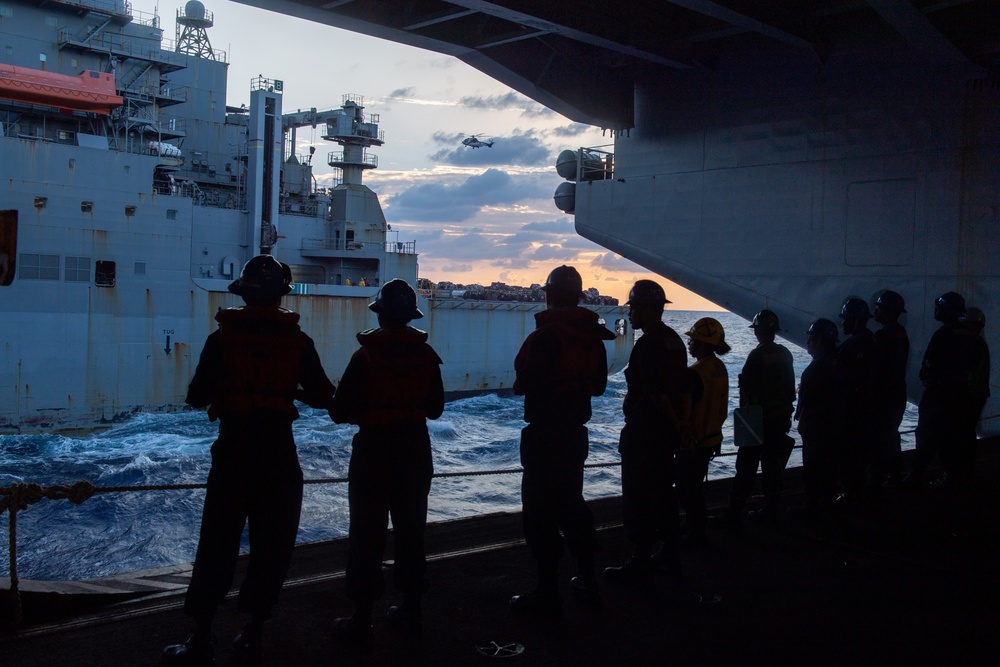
402	93
450	201
559	226
572	130
609	261
510	101
457	268
522	149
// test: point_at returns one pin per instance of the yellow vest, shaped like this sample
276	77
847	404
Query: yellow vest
708	414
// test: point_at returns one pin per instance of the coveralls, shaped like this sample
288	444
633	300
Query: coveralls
391	387
948	408
892	352
857	357
820	413
649	440
710	407
560	366
768	380
248	375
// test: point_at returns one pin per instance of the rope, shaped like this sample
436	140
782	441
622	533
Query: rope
18	497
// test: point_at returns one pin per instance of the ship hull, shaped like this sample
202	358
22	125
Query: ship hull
120	233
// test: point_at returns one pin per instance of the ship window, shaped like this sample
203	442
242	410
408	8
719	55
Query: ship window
8	246
74	63
40	202
104	274
77	270
129	211
86	206
7	50
6	12
171	214
140	268
38	267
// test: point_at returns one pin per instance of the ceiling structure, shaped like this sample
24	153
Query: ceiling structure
582	58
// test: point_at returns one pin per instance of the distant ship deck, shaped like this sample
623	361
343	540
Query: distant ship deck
900	583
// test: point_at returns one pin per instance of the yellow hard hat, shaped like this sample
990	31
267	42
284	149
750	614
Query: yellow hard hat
708	330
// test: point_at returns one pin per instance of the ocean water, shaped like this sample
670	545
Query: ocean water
127	531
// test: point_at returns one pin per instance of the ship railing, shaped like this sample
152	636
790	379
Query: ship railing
123	46
595	164
403	247
308	207
113	8
19	497
338	159
169	45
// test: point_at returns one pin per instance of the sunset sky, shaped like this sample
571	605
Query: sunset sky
477	215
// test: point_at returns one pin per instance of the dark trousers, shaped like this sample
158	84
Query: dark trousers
256	482
819	467
390	476
552	456
649	499
946	427
887	452
692	468
772	457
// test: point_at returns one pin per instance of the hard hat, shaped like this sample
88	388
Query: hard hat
397	301
975	316
891	301
765	319
951	305
855	307
824	329
646	293
564	279
263	278
707	330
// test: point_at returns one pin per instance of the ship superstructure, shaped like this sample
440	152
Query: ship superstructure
132	194
766	153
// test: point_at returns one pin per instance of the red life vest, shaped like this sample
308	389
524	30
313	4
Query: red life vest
398	376
261	353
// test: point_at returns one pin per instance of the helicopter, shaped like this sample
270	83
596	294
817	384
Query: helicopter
473	141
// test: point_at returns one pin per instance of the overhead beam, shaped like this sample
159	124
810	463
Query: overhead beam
911	23
741	21
450	16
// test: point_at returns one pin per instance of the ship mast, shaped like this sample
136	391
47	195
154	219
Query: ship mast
356	135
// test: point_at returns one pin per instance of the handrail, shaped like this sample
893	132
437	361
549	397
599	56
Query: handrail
17	497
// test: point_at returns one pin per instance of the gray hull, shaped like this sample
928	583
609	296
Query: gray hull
767	153
120	233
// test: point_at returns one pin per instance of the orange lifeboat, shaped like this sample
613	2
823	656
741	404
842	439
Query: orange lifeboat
89	91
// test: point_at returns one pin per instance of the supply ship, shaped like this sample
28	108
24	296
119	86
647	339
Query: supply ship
766	153
132	194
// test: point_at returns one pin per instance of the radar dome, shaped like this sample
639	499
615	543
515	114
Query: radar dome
565	197
194	9
566	165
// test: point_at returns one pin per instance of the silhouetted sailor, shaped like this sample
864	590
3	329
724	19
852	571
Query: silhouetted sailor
857	358
249	374
657	409
979	390
949	399
892	351
820	413
391	387
560	367
710	406
767	380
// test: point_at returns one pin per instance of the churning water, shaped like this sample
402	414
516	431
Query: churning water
127	531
